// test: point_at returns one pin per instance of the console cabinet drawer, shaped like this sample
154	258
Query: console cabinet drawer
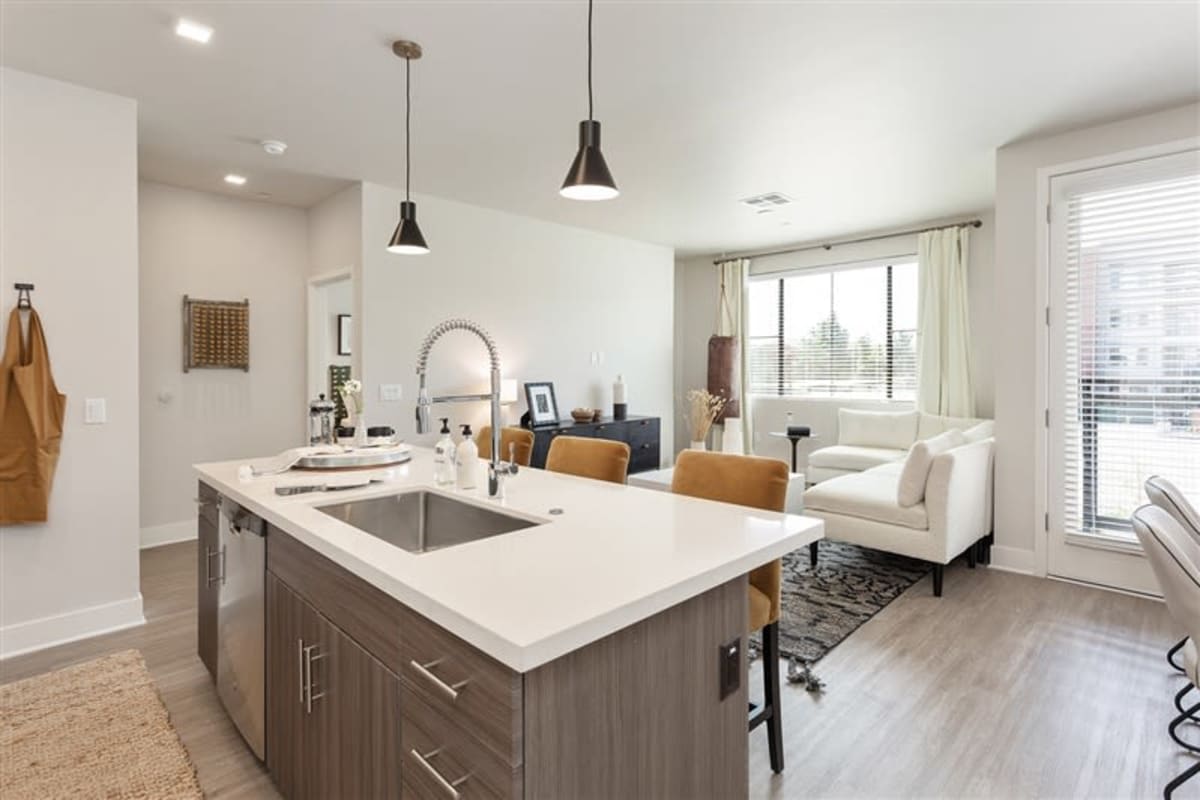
440	758
463	685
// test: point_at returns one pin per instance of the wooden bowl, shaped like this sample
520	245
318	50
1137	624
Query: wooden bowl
581	414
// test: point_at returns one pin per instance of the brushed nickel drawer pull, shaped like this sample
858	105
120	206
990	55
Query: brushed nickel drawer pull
210	579
309	658
426	671
300	680
451	787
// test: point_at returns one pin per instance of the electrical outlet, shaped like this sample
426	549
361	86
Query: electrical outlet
730	668
390	392
95	411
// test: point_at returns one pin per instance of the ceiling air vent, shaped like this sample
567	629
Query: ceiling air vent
766	203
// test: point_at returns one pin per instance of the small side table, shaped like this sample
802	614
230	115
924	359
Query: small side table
794	440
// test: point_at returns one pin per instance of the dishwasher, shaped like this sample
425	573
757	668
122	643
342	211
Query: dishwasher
241	622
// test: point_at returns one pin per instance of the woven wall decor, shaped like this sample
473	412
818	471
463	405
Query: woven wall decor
216	334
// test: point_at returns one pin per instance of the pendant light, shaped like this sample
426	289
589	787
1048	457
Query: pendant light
589	178
407	240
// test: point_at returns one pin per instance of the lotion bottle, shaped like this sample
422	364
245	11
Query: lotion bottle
466	460
443	456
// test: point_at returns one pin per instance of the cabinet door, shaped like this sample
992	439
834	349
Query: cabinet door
294	734
208	566
644	447
333	711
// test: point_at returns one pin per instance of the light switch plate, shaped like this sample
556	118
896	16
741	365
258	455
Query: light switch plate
95	411
390	392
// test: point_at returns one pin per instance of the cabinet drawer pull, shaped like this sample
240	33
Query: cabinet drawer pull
451	787
300	680
426	671
307	683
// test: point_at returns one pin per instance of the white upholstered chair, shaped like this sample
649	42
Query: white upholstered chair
1175	558
1166	496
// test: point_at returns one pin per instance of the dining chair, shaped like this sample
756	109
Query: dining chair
516	444
1175	559
1166	496
600	459
758	483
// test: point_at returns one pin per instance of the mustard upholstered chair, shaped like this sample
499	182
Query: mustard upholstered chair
601	459
759	483
516	444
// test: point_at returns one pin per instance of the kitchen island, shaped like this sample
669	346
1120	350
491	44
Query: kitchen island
596	651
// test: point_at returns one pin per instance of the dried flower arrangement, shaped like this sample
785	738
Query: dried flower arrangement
703	408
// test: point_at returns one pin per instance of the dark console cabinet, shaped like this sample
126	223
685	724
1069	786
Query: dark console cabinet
640	433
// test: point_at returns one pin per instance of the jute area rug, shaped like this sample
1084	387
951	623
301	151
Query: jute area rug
97	729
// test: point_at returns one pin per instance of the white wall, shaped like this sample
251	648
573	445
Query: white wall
1019	308
215	247
550	295
327	300
335	232
68	223
696	317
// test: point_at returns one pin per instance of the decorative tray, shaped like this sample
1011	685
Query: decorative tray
358	458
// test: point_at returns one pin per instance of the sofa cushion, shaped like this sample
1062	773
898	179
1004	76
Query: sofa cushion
896	430
911	489
867	495
850	457
977	433
930	425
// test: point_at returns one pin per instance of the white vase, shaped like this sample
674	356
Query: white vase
360	430
731	436
700	445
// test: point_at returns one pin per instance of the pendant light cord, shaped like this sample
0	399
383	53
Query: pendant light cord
407	127
589	71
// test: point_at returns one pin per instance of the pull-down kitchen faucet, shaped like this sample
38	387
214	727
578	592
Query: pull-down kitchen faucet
496	469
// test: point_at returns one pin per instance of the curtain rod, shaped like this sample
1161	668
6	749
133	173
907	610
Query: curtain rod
971	223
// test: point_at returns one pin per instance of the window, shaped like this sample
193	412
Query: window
849	332
1130	389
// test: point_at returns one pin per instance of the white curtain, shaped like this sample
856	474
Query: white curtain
943	338
732	319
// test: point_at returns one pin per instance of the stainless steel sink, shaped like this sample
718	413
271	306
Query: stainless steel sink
421	521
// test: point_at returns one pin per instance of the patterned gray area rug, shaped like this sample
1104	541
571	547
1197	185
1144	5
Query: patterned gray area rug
850	585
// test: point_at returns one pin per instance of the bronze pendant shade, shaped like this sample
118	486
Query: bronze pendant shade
589	178
407	238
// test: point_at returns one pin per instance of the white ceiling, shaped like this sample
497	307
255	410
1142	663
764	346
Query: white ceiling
868	115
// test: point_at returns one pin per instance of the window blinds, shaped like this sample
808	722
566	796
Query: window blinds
1130	246
845	332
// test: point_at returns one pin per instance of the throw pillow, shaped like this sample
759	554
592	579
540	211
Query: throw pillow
916	467
983	430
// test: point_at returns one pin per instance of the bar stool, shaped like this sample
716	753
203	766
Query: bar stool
516	444
1166	496
758	483
599	459
1175	558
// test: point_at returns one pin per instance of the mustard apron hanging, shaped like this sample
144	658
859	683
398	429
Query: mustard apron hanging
31	423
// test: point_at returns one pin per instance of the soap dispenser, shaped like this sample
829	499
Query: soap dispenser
443	456
466	460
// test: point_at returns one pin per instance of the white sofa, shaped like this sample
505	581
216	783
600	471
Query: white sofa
869	438
953	518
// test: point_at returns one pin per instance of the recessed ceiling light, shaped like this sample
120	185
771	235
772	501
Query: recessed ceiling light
193	30
236	180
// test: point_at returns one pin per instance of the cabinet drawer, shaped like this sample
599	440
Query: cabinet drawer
617	431
463	685
437	753
644	457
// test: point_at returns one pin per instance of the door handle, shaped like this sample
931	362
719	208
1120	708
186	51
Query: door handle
209	578
307	690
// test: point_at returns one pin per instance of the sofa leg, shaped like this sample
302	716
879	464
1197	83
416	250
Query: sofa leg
812	554
972	555
938	570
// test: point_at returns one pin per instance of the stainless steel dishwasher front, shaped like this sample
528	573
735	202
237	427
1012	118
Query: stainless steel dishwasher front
241	622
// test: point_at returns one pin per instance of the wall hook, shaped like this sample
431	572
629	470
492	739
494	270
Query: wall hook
23	290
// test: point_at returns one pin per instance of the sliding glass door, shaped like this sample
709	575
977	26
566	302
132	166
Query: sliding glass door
1124	378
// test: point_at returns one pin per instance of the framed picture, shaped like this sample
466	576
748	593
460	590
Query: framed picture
343	328
543	410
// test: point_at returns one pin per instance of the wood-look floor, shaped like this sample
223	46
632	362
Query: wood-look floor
1006	687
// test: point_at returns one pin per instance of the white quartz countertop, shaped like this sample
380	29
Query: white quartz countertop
615	555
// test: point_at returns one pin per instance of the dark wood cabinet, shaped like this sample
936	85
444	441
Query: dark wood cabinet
208	567
333	711
642	434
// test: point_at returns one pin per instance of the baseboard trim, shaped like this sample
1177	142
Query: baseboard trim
1013	559
169	533
83	623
